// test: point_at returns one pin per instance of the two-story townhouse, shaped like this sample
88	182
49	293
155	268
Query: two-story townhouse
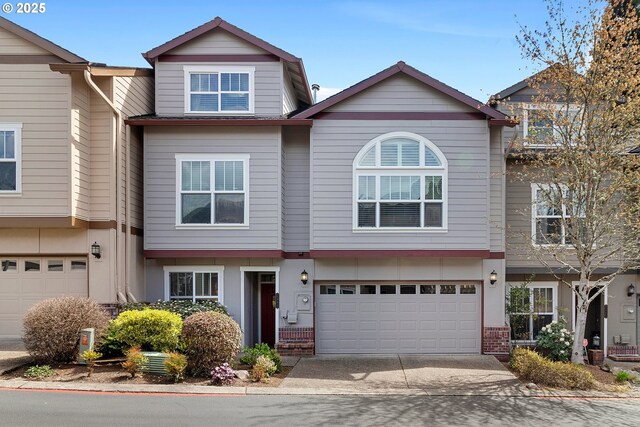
70	176
371	222
612	316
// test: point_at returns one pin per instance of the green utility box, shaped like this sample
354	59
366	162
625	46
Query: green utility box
87	340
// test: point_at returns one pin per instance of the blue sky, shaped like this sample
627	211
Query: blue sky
468	44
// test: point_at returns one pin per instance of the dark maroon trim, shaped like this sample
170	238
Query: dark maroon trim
296	255
444	253
496	255
267	253
217	122
218	58
398	115
401	67
503	122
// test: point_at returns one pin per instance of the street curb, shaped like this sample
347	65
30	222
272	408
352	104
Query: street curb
278	391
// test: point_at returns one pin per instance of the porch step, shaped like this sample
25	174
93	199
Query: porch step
624	357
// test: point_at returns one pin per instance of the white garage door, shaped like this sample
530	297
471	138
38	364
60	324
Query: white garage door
403	318
25	281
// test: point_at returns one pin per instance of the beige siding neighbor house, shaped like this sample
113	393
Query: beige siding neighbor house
68	179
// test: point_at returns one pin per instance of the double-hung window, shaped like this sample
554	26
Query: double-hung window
10	150
202	283
219	90
400	182
212	190
552	215
538	303
542	124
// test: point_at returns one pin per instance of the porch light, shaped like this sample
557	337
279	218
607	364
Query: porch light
631	290
304	277
493	277
96	251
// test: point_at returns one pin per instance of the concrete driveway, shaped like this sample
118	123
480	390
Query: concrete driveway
12	354
433	374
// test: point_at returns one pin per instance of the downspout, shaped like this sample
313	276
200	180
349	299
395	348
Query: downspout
127	215
118	149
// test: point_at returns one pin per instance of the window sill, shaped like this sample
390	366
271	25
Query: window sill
10	194
212	226
400	230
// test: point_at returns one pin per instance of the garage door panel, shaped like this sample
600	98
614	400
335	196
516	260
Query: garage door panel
398	323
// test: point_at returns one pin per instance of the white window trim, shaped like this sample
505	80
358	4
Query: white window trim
196	69
379	171
211	158
534	217
17	129
525	121
218	269
531	286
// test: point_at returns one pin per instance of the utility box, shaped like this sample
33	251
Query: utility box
87	340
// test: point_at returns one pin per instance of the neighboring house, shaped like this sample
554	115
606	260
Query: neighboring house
366	219
59	189
612	315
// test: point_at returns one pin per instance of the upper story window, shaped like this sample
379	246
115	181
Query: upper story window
10	167
400	183
550	213
212	190
541	124
219	90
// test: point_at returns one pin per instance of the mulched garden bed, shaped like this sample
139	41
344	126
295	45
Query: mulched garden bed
113	373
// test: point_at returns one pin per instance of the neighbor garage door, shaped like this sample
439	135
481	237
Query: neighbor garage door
398	318
25	281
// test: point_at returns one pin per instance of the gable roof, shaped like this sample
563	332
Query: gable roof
41	42
218	22
402	68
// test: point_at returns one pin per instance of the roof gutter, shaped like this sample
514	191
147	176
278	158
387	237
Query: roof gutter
117	148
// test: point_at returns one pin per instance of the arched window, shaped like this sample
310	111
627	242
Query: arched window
400	182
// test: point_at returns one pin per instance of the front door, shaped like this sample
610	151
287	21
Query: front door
267	313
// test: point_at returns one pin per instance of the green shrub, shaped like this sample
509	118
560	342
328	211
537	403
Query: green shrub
263	369
532	367
109	345
39	371
623	376
555	341
52	327
150	329
135	361
175	365
210	339
90	357
251	355
181	307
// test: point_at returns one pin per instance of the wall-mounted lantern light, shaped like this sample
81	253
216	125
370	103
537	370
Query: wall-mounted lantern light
631	290
493	277
304	277
96	251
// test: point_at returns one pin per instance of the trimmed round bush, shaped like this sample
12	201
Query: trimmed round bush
532	367
210	339
156	330
52	327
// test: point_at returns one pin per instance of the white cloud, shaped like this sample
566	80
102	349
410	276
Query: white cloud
326	92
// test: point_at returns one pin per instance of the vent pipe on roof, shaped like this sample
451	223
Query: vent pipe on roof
315	88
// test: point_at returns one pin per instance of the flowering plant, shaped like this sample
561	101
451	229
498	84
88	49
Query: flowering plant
222	375
555	340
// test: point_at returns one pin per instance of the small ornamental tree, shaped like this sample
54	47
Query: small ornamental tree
587	118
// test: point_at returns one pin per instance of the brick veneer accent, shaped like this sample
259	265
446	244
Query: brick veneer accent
296	342
496	341
622	349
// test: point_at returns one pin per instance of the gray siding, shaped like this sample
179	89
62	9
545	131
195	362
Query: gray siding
335	143
170	87
289	97
401	93
80	148
497	184
102	158
217	42
296	186
161	145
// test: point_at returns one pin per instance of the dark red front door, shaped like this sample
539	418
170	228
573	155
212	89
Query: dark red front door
268	314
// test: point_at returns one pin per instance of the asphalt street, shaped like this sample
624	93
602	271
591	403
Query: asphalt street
55	408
